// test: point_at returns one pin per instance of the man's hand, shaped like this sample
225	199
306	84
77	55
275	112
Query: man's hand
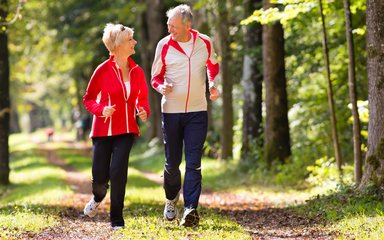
214	93
167	88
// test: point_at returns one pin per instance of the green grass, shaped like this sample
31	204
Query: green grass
343	210
355	215
15	219
26	206
147	225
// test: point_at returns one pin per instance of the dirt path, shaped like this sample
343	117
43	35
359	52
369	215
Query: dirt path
74	224
260	218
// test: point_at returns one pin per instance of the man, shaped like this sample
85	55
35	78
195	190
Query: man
182	61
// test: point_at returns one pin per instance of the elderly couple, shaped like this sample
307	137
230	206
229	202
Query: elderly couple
117	93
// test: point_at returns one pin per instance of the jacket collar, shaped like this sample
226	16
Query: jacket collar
130	61
176	45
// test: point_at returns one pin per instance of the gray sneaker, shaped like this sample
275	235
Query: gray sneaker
170	210
91	208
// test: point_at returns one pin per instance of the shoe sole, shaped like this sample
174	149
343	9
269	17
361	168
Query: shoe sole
90	215
190	221
169	219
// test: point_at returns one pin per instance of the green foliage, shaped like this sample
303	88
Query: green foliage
55	49
324	173
310	120
273	14
305	71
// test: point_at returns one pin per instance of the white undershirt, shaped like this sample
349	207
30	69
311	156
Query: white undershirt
187	46
128	87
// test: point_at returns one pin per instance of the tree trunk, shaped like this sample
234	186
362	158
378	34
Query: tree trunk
252	83
331	102
353	94
4	96
227	129
374	163
14	126
277	139
153	29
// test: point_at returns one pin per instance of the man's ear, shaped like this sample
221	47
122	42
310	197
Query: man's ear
188	24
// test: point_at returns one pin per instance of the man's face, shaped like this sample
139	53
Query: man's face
179	31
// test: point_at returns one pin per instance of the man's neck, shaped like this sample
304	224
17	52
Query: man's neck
186	38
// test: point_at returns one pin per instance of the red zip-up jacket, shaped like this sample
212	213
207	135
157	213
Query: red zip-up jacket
106	88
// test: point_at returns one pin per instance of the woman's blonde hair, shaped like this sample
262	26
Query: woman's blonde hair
114	34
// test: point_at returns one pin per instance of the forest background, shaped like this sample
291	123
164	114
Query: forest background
55	46
296	79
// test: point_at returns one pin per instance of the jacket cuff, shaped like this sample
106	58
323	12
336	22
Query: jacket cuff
211	84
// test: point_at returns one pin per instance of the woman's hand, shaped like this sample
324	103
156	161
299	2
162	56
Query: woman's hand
142	114
108	111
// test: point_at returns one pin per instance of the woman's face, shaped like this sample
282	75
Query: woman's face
127	47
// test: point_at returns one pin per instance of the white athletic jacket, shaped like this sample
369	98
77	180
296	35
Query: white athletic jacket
186	73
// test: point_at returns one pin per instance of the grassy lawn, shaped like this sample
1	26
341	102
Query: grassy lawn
31	203
27	205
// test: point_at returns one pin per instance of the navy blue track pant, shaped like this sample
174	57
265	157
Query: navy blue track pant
187	130
110	156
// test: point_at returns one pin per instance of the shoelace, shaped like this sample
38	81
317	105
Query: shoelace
170	206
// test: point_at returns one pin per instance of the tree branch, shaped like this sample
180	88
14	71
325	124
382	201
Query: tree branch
17	15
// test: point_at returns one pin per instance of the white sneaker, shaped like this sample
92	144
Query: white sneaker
117	228
91	208
170	210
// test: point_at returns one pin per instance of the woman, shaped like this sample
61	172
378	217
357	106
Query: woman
116	94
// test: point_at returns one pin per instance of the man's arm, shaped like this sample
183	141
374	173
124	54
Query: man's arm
158	67
213	73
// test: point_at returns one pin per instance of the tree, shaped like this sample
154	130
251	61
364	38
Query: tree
353	94
252	83
374	162
4	95
227	129
335	136
152	30
277	139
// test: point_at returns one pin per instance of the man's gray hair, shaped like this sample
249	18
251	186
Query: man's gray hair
183	10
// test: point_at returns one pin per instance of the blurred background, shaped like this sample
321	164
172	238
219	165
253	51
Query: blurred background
54	47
